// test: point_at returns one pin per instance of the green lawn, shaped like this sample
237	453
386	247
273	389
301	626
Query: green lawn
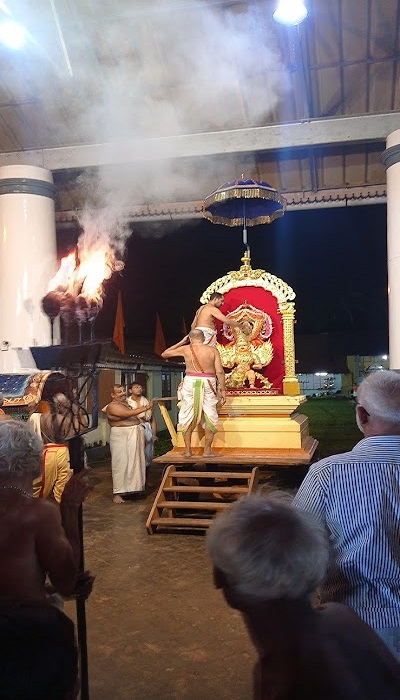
332	423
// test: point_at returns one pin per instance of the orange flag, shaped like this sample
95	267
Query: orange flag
184	327
159	341
119	325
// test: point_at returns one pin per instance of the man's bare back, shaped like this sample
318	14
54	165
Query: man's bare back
37	537
200	358
23	544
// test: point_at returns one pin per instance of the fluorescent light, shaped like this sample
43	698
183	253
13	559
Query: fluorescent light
290	12
12	34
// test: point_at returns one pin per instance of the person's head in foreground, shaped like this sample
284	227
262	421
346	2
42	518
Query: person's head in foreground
20	451
378	404
39	659
263	549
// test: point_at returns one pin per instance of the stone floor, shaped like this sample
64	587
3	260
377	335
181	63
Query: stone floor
157	628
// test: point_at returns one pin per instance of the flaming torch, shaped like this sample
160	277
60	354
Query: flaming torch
76	291
76	294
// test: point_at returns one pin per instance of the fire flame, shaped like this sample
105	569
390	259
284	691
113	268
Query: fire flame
85	277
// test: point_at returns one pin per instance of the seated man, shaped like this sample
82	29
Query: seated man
39	659
36	536
269	558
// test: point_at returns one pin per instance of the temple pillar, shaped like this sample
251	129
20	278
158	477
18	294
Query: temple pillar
28	260
391	160
290	384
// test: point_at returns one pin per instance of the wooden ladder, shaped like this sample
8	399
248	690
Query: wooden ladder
168	510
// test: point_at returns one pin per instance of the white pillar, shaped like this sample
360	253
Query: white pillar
28	260
391	160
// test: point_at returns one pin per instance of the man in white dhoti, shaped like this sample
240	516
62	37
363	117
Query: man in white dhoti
127	442
205	316
199	393
147	419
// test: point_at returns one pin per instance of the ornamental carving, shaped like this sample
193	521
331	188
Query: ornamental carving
247	277
249	348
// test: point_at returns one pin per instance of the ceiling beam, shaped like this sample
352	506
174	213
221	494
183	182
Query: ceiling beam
171	211
308	133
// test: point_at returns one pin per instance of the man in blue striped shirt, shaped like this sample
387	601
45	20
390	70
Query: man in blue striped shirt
357	496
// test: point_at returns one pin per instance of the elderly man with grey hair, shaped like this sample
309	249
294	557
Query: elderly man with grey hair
269	558
356	496
37	537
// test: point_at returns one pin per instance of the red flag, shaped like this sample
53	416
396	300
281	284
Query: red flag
184	327
119	325
159	341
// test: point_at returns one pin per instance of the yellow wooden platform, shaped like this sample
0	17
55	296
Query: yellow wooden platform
249	457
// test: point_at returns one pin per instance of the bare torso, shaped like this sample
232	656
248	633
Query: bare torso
22	574
115	415
204	317
205	355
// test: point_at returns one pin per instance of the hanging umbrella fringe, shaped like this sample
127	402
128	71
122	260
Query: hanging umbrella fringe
240	221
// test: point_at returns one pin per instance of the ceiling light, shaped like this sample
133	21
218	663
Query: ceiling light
290	12
12	34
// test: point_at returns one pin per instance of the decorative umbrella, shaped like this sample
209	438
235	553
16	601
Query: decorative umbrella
244	202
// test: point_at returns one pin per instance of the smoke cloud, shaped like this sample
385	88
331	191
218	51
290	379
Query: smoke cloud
158	69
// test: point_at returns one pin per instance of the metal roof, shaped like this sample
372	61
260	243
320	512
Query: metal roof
152	105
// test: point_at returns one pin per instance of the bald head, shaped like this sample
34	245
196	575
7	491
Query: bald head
196	335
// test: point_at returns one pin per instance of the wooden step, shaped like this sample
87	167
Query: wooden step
211	475
183	522
197	508
192	505
205	489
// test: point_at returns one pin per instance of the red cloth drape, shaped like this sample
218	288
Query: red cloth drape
159	340
119	325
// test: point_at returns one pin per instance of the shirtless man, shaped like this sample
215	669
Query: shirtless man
36	536
204	319
199	395
127	443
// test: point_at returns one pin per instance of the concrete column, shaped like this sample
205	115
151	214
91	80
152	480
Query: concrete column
391	160
28	260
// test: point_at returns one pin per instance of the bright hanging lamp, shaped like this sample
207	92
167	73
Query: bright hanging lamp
290	12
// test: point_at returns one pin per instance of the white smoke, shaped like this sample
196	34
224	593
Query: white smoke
160	69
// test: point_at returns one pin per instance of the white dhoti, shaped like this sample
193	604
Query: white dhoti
210	335
127	458
198	396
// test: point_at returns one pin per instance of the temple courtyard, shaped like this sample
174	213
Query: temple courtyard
157	627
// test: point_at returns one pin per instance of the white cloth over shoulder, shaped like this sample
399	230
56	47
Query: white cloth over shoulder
127	458
198	396
145	419
210	335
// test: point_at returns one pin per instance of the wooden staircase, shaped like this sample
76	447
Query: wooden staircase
179	502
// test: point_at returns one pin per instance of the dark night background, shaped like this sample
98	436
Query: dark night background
335	260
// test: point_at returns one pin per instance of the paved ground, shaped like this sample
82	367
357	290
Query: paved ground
157	628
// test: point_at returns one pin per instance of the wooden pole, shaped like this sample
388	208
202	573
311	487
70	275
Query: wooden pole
77	461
